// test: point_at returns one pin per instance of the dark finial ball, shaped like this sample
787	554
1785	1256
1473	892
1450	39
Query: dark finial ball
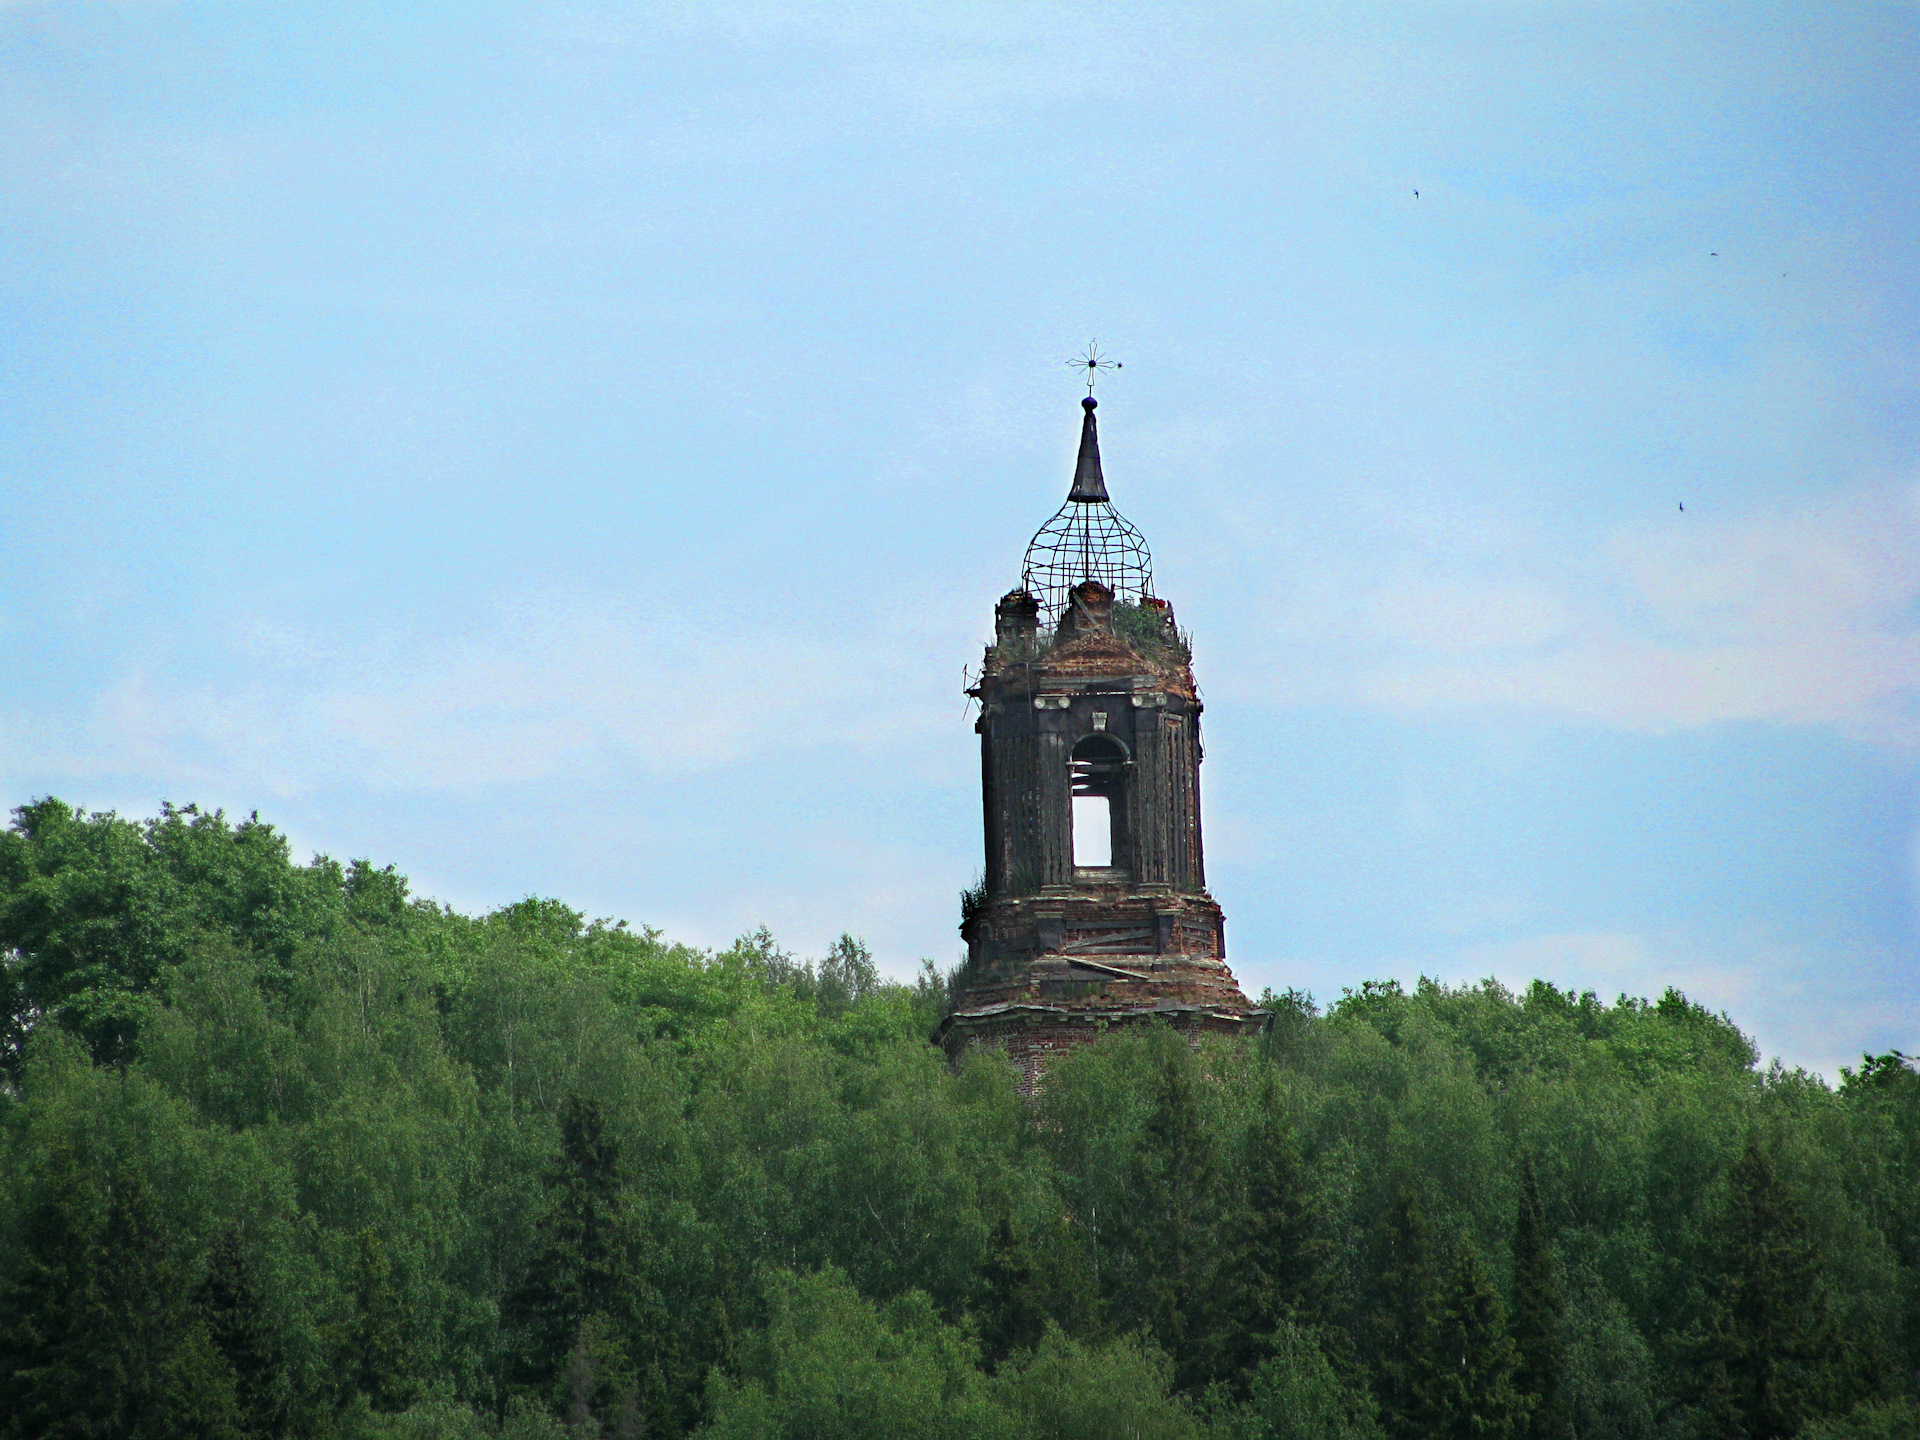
1089	402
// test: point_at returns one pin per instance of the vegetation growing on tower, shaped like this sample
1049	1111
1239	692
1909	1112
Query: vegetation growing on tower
1150	630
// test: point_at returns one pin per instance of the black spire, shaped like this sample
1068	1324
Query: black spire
1089	486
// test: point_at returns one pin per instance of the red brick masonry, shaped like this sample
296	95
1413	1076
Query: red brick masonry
1039	1006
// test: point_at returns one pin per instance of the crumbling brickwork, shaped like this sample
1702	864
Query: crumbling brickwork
1056	952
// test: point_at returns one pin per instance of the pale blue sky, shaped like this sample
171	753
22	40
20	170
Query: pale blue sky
575	448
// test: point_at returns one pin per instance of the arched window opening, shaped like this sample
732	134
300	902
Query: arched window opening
1099	809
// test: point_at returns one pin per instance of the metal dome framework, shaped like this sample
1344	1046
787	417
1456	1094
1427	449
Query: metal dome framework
1086	540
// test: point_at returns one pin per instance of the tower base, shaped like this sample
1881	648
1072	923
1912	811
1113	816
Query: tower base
1033	1035
1047	973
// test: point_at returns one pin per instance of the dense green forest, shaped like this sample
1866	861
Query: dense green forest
290	1153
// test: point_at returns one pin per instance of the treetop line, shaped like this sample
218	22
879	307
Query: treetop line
286	1151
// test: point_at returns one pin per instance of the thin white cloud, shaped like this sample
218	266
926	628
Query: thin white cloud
1798	616
550	685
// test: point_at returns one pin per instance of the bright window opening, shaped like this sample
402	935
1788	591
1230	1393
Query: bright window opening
1092	830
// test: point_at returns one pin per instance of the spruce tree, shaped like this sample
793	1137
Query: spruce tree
41	1312
1474	1358
98	1338
579	1266
1775	1357
1537	1312
1166	1279
581	1383
230	1303
583	1322
1275	1257
1013	1312
379	1350
1406	1324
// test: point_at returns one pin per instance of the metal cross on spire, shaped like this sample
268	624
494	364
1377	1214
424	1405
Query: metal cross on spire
1092	363
1087	539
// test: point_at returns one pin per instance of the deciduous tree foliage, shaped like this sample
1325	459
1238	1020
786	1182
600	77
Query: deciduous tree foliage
287	1152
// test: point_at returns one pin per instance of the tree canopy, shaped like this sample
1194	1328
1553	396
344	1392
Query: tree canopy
285	1151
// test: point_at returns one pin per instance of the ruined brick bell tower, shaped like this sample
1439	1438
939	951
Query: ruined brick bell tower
1094	908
